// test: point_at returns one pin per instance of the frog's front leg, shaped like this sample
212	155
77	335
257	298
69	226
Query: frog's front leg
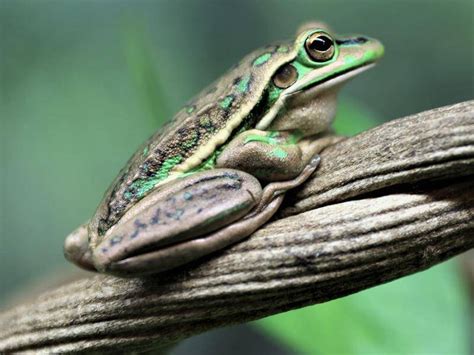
281	159
269	156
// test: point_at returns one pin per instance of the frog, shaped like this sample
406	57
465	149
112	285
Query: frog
221	168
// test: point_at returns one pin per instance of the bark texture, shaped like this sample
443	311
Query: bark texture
386	203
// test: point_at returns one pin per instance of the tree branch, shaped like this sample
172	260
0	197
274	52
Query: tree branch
386	203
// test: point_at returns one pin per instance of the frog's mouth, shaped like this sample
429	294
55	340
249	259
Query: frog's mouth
311	88
317	86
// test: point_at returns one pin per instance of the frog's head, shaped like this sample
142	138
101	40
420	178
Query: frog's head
302	92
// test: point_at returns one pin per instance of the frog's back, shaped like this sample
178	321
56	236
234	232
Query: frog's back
195	131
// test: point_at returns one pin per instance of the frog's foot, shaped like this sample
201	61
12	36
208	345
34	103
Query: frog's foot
76	248
274	189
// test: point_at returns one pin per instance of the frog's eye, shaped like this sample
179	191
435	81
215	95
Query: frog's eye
320	46
285	76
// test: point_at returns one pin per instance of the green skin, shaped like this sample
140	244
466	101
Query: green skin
196	186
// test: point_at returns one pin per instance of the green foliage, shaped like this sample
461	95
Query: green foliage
141	61
352	117
426	313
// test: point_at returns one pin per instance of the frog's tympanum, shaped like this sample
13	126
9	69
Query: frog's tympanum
221	167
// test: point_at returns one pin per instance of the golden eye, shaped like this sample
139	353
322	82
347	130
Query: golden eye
285	76
320	46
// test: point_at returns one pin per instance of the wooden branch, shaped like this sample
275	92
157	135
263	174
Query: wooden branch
387	203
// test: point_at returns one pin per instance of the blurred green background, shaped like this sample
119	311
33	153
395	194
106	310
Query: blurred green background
83	83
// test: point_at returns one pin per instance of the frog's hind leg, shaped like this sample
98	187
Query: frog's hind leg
180	254
171	256
168	227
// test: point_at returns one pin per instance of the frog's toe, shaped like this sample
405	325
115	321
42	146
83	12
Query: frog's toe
315	161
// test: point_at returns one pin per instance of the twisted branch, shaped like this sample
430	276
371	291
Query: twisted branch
386	203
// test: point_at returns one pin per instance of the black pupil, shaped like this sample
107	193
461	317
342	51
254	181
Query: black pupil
320	44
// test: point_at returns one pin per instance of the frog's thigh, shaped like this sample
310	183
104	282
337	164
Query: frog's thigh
173	255
180	254
183	210
267	158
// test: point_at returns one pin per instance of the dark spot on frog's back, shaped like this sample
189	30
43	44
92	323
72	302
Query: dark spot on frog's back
183	131
206	124
236	81
242	84
145	168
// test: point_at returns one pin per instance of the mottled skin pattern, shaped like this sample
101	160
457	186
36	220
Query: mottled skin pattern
237	93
